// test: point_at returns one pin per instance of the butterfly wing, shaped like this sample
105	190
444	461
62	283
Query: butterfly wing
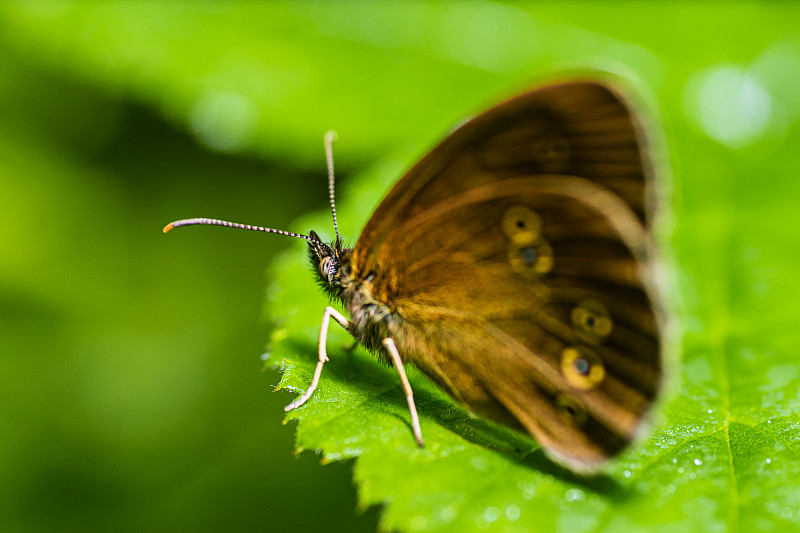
539	313
520	272
578	129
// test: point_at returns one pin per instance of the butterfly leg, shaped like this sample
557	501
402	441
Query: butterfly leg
351	346
323	356
388	343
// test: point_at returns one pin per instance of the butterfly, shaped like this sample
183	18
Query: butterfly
514	266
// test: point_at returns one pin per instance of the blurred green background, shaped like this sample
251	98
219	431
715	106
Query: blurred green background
133	396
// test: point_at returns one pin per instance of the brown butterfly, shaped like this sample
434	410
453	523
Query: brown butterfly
513	266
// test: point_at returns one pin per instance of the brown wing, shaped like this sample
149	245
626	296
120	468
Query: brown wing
529	300
516	255
579	129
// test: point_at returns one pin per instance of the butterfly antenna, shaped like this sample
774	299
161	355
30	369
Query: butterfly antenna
215	222
331	136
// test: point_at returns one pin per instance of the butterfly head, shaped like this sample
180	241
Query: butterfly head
329	261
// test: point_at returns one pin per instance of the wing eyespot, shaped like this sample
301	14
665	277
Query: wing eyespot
522	225
531	259
582	367
592	319
571	409
551	153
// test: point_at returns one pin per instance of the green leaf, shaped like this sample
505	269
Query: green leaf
723	455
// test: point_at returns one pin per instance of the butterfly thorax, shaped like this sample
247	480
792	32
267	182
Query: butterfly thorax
372	318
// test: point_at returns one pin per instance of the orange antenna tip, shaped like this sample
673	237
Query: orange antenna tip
216	222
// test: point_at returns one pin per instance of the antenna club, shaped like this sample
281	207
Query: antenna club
168	227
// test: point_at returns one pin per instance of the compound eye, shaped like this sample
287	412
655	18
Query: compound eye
325	266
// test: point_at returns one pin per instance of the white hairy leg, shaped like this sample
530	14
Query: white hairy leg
388	343
323	356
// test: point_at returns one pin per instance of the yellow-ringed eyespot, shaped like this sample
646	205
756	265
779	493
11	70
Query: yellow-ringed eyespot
532	259
582	367
522	225
591	318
